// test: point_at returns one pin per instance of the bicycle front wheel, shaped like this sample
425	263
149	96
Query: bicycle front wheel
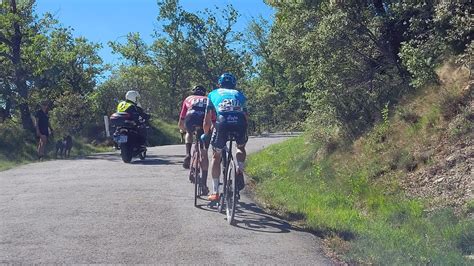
195	172
230	195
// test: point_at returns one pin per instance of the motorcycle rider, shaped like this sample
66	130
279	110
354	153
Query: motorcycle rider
132	106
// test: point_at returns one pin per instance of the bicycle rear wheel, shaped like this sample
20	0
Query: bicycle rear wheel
222	196
230	195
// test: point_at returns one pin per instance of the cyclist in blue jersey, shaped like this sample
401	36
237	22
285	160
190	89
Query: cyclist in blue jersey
228	106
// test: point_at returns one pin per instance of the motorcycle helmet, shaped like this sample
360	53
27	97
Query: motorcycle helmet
227	80
132	96
199	90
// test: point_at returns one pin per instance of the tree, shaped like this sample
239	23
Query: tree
41	60
17	28
135	50
64	64
342	59
174	54
276	104
188	49
71	113
218	43
196	49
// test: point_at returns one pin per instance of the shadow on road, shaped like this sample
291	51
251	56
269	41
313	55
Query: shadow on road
157	160
250	217
104	156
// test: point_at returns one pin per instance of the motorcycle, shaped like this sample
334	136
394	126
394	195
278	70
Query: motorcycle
127	135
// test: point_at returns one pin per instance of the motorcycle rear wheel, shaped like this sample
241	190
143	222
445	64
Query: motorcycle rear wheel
126	152
142	155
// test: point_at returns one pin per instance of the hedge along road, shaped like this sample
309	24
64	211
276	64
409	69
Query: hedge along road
101	210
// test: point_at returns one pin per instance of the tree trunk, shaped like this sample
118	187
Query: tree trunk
19	75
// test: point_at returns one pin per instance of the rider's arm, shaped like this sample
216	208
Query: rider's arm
208	121
209	118
181	124
182	116
142	113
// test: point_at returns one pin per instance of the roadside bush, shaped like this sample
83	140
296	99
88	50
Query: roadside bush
70	114
16	143
419	62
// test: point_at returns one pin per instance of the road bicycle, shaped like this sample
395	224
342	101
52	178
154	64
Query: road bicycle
195	168
228	196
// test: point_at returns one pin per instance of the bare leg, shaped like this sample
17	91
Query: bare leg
42	145
189	137
189	144
204	166
241	155
216	170
204	160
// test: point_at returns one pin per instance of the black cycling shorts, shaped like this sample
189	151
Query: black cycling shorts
193	122
229	125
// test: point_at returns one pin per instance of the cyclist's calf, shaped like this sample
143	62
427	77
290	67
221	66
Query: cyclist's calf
216	163
241	155
189	138
204	160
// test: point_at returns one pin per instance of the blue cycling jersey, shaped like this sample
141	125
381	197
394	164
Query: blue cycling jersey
226	101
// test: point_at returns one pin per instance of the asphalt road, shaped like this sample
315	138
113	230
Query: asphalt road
101	210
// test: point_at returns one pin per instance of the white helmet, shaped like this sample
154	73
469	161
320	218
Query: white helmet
132	96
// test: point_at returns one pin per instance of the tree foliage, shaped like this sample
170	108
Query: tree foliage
70	114
188	49
41	60
348	59
331	67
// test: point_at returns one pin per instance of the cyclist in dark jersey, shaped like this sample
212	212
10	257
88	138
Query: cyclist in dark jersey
190	119
228	105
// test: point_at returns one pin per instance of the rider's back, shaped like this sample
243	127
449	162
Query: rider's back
228	101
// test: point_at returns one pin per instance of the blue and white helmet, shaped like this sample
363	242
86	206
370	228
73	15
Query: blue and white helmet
227	81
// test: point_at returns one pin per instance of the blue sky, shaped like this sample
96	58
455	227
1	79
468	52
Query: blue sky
109	20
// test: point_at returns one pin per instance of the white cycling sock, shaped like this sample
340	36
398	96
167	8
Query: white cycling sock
215	185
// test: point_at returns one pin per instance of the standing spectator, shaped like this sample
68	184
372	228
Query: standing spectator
43	128
3	114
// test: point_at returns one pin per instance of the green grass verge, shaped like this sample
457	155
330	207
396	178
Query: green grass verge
363	220
163	133
26	153
5	164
